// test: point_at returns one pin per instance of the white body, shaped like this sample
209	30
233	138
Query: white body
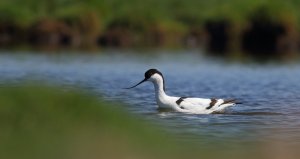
187	105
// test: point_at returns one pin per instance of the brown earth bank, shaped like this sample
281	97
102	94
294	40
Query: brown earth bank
260	36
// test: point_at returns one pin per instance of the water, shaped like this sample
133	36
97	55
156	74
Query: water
270	93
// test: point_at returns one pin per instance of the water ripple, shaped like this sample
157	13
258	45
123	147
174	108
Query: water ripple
270	93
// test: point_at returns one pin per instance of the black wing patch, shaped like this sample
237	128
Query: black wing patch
180	100
212	103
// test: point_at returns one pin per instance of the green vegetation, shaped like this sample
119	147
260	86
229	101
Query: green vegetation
107	11
220	26
44	122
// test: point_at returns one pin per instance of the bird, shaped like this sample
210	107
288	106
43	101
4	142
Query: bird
190	105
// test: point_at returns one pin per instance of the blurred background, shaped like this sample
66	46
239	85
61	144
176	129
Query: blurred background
63	64
239	29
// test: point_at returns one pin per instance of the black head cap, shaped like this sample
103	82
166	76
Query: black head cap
151	72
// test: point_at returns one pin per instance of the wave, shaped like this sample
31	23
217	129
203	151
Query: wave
250	113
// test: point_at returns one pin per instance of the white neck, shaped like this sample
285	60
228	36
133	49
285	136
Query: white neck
160	93
159	89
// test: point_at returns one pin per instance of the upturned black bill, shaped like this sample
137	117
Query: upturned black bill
137	84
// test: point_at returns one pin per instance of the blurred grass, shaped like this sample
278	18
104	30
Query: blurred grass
45	122
189	11
150	23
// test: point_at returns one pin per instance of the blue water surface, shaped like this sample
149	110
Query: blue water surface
270	92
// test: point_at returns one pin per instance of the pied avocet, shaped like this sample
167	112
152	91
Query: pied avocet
183	104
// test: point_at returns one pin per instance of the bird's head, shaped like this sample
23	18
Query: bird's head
152	75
